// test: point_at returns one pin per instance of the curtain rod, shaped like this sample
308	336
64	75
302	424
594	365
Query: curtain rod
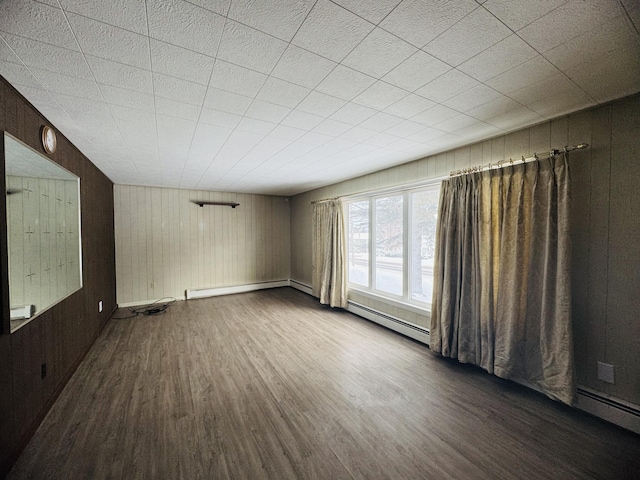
324	200
511	161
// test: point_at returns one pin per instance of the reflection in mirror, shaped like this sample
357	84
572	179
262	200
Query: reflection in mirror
43	232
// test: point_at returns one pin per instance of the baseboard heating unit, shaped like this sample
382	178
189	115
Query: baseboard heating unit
213	292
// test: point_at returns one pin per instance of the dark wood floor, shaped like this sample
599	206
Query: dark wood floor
273	385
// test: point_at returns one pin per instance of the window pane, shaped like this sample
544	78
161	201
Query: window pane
424	211
389	243
358	243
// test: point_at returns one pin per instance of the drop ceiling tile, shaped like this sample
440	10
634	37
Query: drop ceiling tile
379	53
517	14
282	93
59	83
127	14
568	21
448	140
374	12
353	114
415	71
74	105
504	55
515	119
536	91
472	98
38	96
426	135
345	83
332	127
331	31
127	98
446	86
493	108
380	95
166	106
381	140
610	76
123	46
255	126
218	6
358	134
178	89
18	74
288	133
409	106
598	42
302	67
219	118
185	25
404	129
280	18
117	74
434	115
455	123
524	74
473	34
562	102
266	111
120	112
420	21
306	121
248	47
48	57
320	104
404	144
217	99
478	131
37	21
6	54
240	80
381	121
181	63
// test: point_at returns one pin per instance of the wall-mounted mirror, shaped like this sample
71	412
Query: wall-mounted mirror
43	232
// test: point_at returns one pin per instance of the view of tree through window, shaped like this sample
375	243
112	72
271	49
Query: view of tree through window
379	227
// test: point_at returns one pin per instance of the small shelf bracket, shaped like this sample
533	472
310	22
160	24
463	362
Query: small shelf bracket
224	204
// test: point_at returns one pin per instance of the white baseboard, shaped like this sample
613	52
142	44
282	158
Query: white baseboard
140	303
619	412
213	292
388	321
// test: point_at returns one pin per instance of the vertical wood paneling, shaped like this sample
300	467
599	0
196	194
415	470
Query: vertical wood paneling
605	230
181	246
62	334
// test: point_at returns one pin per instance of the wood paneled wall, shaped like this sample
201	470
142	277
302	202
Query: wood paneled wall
166	244
605	229
62	335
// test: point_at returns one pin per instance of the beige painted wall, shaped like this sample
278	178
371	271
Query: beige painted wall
165	244
606	229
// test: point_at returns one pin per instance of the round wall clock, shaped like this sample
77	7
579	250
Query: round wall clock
49	139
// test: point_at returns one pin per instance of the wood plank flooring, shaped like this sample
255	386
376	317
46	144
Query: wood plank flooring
272	385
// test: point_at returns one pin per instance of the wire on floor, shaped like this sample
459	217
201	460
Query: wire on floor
155	308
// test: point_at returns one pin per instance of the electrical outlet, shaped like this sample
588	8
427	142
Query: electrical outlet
100	306
606	372
43	370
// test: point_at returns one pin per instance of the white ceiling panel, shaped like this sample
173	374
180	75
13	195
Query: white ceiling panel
345	83
374	12
280	18
185	25
180	62
331	31
277	96
420	21
123	46
127	14
473	34
379	53
250	48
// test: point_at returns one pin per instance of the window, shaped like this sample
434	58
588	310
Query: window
391	244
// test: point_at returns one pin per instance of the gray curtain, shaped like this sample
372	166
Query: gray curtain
329	253
501	296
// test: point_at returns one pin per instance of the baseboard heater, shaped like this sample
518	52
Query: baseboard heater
396	324
213	292
608	408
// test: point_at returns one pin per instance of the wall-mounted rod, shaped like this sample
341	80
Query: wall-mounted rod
511	161
224	204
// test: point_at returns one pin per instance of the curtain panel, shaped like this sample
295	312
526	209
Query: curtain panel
329	253
501	297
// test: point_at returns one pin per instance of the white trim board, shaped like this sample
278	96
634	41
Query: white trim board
214	292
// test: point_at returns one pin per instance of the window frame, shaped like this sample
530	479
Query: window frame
405	300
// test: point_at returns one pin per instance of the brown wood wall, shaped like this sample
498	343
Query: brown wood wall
63	334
